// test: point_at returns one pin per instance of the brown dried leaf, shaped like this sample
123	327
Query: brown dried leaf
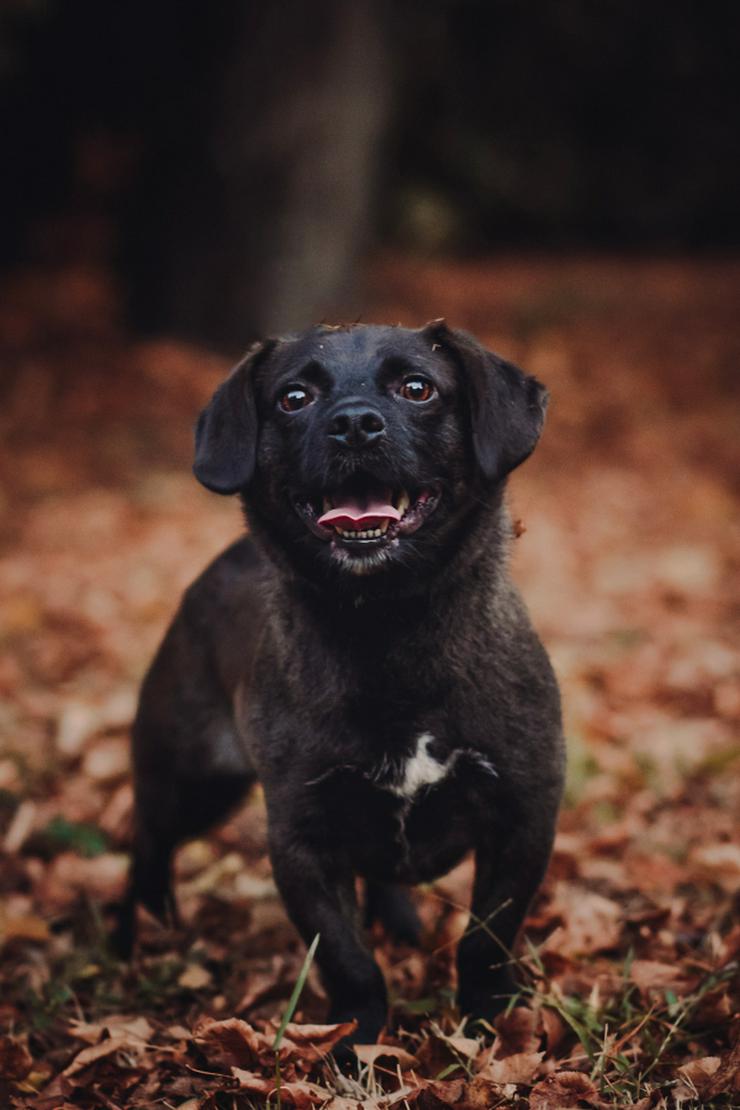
107	760
87	1056
24	927
239	1042
194	977
519	1067
244	1045
20	827
652	975
312	1042
563	1090
469	1047
15	1059
369	1053
697	1075
516	1032
591	923
482	1093
260	984
553	1026
730	946
118	1033
300	1093
436	1094
727	1076
116	1026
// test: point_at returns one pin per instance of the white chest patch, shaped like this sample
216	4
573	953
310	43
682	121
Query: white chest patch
420	769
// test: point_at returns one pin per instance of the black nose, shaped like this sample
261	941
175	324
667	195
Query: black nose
356	424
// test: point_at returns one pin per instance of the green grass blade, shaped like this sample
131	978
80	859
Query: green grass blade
299	984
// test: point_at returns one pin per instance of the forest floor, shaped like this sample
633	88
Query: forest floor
629	559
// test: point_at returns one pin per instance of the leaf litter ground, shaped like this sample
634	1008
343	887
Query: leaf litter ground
628	557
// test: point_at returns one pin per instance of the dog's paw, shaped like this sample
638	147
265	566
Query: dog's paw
480	1003
370	1020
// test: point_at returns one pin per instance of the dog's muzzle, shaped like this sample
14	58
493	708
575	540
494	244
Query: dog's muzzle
365	516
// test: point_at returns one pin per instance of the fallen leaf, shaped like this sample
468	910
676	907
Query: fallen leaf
23	927
652	975
469	1047
312	1042
117	1026
563	1090
591	923
20	827
240	1042
482	1093
107	760
77	722
697	1075
727	1075
436	1094
15	1059
516	1032
553	1026
369	1053
194	977
103	875
131	1044
260	984
245	1045
721	862
519	1067
301	1094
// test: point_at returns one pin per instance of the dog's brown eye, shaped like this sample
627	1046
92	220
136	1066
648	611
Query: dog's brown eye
417	389
295	398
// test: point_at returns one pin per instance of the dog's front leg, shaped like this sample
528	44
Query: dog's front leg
318	889
509	867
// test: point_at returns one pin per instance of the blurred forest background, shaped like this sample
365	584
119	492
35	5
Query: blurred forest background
563	180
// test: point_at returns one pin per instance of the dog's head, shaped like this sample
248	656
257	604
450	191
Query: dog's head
365	449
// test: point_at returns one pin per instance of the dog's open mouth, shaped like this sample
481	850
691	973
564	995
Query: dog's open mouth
365	514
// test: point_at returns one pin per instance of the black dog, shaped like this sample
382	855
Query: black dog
364	653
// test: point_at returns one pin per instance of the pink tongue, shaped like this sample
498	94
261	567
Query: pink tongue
360	513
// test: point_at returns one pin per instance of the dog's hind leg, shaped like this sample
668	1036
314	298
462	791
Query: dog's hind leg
149	885
391	905
173	806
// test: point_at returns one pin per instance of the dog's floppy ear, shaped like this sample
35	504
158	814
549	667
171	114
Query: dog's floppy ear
226	432
507	407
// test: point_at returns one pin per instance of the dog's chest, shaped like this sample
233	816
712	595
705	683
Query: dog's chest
423	767
417	819
409	814
428	764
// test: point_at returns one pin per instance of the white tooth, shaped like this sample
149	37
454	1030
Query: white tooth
403	502
383	526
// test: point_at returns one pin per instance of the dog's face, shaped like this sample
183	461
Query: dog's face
363	450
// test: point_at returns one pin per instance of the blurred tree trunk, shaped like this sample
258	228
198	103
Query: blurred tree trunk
255	224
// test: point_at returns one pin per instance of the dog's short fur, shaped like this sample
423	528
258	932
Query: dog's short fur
389	693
